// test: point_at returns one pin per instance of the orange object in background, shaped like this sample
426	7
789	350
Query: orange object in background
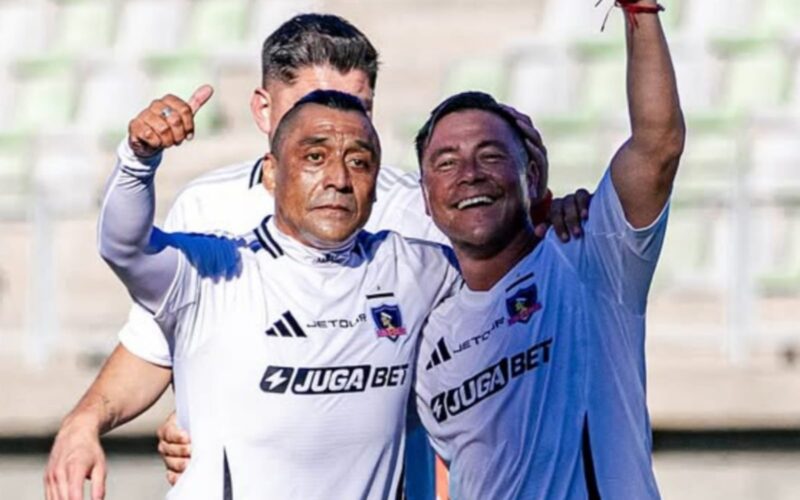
442	478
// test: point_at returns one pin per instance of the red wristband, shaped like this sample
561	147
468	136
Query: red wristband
631	8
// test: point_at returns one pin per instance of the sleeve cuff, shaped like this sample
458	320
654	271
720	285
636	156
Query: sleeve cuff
134	165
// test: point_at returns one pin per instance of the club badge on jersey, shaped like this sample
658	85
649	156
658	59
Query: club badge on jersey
389	321
523	305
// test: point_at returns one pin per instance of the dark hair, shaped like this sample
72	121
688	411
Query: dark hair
461	102
329	98
315	39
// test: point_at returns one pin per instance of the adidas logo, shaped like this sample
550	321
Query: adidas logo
280	328
440	355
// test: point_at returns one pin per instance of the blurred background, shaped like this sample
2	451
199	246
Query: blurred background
724	317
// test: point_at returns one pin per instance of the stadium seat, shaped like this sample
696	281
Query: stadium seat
539	80
707	18
775	156
45	91
22	21
780	275
150	26
699	74
693	257
713	152
566	20
601	76
82	25
757	74
111	95
15	169
217	24
67	184
487	75
777	17
575	152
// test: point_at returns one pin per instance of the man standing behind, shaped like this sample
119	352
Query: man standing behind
531	381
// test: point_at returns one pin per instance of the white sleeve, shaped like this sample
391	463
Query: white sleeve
141	335
400	207
143	338
613	256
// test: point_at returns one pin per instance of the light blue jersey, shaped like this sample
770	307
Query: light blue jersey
535	389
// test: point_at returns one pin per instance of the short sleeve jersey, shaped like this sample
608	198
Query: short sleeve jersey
535	389
232	200
293	378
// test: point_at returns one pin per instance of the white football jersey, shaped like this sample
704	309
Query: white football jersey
232	200
293	378
535	389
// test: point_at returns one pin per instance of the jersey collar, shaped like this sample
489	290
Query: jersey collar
277	244
517	276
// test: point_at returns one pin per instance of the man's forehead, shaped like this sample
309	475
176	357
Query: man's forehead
473	125
328	123
326	77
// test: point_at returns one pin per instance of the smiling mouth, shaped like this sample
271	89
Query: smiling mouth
474	201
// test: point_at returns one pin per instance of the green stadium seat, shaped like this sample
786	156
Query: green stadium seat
575	152
705	18
777	17
692	256
487	75
782	274
757	74
22	21
712	154
150	26
539	80
601	76
15	170
111	95
83	25
217	24
46	93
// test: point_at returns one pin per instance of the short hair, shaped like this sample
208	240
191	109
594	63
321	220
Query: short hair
333	99
317	39
461	102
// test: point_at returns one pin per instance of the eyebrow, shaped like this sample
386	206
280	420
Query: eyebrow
313	140
368	146
493	143
442	151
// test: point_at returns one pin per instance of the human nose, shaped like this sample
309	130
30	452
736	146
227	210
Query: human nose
337	176
471	171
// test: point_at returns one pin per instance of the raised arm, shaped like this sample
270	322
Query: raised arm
138	253
644	168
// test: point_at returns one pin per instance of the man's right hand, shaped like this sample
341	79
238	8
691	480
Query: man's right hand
175	448
76	456
166	122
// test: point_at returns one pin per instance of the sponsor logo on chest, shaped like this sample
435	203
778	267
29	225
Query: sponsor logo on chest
331	379
489	381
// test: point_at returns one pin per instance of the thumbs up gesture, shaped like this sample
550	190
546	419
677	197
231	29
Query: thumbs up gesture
166	122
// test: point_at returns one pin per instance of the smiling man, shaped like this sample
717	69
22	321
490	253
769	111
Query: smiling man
531	380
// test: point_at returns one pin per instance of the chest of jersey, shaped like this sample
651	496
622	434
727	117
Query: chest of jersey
501	381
